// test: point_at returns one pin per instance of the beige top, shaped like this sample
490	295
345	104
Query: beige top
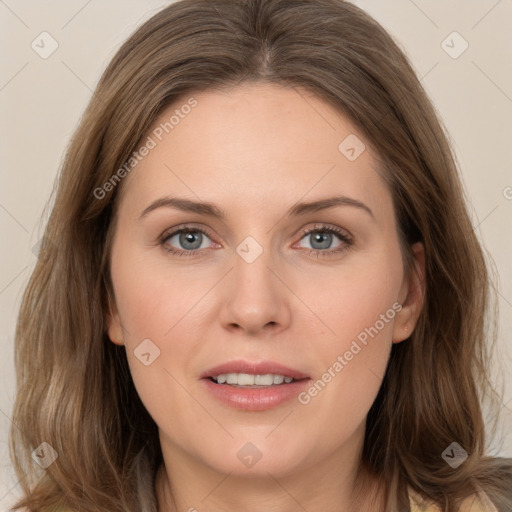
476	503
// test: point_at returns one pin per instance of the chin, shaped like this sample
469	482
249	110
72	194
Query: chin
258	457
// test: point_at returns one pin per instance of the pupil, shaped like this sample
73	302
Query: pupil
325	240
188	238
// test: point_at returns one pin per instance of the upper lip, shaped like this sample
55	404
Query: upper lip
254	368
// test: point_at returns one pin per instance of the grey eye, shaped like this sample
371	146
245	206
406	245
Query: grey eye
190	240
321	239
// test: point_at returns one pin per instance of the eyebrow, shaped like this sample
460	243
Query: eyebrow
212	210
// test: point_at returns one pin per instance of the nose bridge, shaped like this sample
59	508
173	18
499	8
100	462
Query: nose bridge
253	259
252	275
255	296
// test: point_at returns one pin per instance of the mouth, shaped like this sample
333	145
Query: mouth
246	380
254	386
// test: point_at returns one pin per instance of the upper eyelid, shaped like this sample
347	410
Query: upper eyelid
186	227
327	227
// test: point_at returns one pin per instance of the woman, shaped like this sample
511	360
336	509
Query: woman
249	371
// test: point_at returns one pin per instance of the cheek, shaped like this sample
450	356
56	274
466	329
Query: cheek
359	309
151	300
154	314
351	297
161	304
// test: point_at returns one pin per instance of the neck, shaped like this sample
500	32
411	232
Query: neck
184	484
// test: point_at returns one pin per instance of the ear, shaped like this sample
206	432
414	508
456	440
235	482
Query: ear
114	327
411	297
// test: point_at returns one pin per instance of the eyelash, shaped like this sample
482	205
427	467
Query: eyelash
321	228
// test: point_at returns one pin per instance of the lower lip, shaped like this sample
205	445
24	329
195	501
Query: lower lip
256	399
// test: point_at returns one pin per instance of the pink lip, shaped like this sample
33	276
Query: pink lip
255	399
253	368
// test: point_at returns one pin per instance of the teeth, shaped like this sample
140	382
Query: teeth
244	379
265	380
278	379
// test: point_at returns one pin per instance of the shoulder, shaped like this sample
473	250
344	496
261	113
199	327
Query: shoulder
478	502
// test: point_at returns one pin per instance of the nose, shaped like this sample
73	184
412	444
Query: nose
255	298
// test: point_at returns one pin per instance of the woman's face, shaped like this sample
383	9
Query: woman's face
305	291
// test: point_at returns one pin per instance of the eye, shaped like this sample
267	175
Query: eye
321	238
191	239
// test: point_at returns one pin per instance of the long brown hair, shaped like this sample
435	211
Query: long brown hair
74	388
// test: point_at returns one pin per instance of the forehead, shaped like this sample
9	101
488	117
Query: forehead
254	144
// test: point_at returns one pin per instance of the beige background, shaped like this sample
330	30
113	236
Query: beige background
41	101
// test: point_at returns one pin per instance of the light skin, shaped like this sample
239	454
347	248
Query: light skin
255	151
